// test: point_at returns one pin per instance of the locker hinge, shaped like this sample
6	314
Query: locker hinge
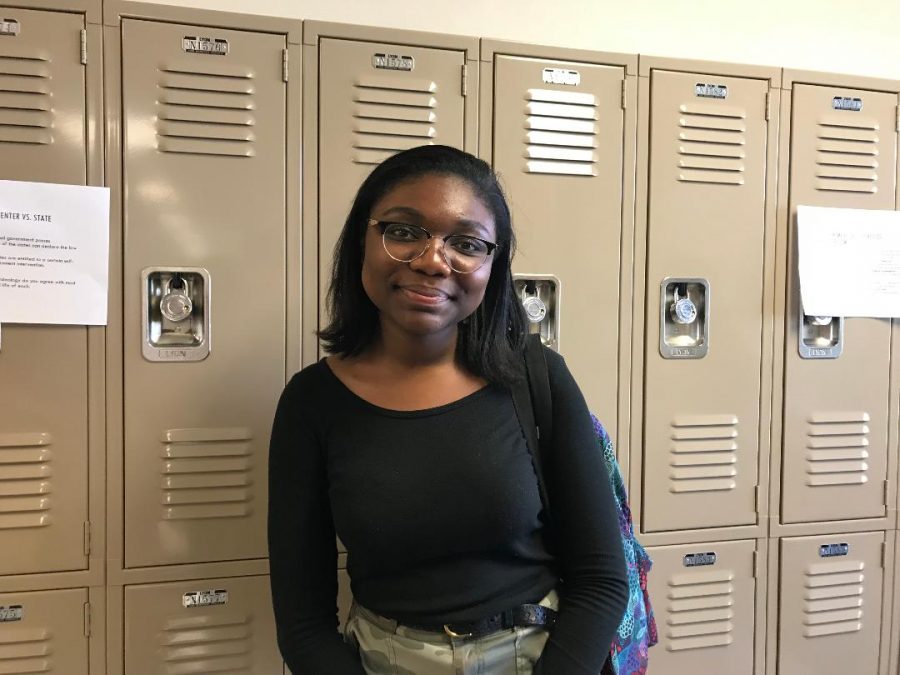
83	46
768	105
87	619
898	118
87	537
624	95
883	554
755	564
284	65
464	85
885	494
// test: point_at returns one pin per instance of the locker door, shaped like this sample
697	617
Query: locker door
830	606
203	626
44	632
836	409
43	369
704	599
368	113
706	228
204	165
559	149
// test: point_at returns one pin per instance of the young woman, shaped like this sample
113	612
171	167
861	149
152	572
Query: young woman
406	444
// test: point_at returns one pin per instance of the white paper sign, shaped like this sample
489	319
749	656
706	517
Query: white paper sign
849	261
54	252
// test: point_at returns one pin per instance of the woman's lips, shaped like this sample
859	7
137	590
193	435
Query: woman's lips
424	295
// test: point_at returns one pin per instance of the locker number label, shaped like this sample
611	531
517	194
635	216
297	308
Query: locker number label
700	559
12	613
9	27
711	90
846	103
384	61
833	550
561	76
204	598
204	45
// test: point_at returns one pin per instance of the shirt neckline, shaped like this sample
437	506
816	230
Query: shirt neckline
390	412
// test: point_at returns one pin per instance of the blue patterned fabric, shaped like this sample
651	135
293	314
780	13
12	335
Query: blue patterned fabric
637	632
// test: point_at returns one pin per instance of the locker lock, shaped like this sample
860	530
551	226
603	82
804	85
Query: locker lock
175	304
535	309
683	310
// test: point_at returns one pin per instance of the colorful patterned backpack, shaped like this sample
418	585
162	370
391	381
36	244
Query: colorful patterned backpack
637	631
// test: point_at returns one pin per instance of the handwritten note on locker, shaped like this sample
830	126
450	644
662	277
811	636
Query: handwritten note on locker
849	261
54	252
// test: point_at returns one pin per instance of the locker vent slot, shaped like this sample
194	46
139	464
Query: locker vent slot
833	598
700	611
392	113
703	454
25	484
206	474
209	642
711	147
837	449
847	154
26	650
26	115
561	136
206	112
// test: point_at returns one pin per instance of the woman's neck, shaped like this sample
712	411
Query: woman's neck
405	350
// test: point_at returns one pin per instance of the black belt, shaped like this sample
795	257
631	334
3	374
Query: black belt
521	616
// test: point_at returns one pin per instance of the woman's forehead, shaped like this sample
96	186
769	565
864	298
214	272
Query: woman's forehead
437	199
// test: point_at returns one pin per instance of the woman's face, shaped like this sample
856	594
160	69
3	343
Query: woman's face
424	296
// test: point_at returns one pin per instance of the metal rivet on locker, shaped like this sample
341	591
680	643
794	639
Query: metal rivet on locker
540	295
684	318
820	337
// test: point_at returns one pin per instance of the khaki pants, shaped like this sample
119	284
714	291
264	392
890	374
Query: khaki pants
388	648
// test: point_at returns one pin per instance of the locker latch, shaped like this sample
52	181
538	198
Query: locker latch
540	297
820	337
175	313
684	318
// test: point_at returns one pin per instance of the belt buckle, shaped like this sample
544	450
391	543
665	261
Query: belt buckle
453	634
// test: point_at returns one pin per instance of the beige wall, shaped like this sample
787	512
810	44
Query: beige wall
854	36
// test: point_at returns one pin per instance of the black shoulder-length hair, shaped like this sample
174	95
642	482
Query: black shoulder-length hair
490	341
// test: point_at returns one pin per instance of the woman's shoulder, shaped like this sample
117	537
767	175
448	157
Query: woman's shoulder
311	381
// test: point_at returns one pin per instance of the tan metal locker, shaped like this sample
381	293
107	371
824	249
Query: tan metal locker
44	632
835	436
707	219
44	370
704	599
204	155
202	626
377	92
830	613
558	140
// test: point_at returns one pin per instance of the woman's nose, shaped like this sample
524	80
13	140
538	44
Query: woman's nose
433	260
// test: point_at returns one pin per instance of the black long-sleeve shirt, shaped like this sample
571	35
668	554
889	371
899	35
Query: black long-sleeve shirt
439	510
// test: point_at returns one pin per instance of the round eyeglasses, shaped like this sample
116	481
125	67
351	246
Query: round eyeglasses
404	243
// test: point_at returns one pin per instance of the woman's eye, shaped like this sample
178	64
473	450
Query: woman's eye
468	245
402	232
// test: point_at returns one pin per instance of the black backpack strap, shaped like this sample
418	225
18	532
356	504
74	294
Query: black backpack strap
539	383
534	408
